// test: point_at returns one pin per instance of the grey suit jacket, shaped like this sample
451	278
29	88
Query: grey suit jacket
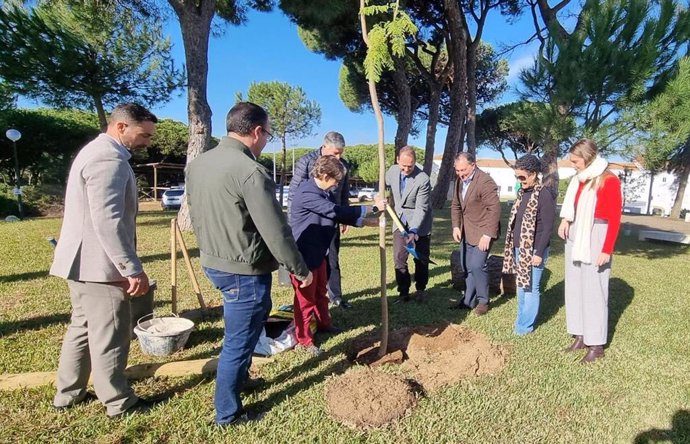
98	237
413	203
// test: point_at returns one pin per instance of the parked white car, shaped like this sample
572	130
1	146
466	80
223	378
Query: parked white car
286	190
172	198
366	194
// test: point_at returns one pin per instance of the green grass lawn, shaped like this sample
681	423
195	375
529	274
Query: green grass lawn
641	390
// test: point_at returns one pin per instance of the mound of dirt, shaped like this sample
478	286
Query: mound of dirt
437	355
366	398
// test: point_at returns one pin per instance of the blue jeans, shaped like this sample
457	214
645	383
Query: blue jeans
528	299
246	305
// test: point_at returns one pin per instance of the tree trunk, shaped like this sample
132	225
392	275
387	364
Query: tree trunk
402	89
549	167
383	348
457	47
649	195
683	174
195	23
471	98
102	118
681	161
431	126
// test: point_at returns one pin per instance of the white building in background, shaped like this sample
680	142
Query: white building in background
635	182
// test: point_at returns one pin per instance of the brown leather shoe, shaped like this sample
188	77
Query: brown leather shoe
578	344
420	296
594	352
481	309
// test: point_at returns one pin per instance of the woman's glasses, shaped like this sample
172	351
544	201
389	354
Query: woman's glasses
521	178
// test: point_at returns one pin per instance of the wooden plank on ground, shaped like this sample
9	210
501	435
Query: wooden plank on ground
140	371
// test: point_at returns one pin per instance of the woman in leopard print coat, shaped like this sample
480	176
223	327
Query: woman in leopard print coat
527	239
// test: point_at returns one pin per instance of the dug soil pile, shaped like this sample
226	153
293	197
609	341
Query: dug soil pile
366	398
432	356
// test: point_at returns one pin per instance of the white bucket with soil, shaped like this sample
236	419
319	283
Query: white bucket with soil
163	336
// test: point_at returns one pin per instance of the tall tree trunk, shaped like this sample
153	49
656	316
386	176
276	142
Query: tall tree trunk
549	166
472	97
682	168
457	47
431	126
100	111
383	348
195	18
402	89
683	174
650	210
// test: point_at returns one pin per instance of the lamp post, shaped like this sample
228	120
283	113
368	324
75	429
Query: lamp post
15	135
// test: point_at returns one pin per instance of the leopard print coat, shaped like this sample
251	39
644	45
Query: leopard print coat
526	241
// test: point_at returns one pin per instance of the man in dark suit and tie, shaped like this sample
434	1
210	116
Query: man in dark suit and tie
475	216
410	187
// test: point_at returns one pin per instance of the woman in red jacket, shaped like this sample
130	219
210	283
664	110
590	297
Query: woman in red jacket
591	216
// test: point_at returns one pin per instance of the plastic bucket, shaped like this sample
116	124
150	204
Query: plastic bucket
162	336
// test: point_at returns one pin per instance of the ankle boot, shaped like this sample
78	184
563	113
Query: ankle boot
578	344
594	352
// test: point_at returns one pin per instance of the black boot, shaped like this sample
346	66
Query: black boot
594	352
579	344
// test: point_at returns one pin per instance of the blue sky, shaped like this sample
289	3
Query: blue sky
268	48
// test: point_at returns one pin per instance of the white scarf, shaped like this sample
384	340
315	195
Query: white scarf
585	209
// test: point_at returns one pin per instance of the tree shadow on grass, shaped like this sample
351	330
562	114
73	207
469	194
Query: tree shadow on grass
551	300
650	248
679	433
23	276
620	296
37	323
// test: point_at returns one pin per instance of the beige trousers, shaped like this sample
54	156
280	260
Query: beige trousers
587	291
97	341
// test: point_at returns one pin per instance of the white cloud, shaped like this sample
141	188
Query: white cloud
517	65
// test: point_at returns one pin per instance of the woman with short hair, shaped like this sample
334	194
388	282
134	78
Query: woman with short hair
591	216
527	240
313	218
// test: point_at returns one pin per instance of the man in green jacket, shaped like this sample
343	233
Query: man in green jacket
242	235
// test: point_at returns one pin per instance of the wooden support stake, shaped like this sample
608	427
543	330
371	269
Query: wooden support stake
190	269
173	264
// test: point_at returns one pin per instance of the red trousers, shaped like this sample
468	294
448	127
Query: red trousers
311	301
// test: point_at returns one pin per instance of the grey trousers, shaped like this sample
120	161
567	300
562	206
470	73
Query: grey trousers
97	340
587	291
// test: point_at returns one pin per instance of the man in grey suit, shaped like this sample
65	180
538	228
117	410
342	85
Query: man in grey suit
475	215
410	187
96	254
